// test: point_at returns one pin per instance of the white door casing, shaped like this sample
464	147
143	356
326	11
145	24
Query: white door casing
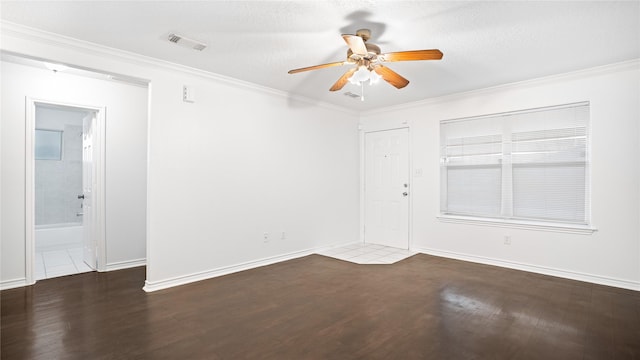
386	188
89	247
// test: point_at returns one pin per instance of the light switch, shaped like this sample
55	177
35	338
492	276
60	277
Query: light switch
188	94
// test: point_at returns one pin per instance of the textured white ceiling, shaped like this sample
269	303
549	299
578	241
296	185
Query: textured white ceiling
484	43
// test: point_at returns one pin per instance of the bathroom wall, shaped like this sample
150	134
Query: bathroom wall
59	182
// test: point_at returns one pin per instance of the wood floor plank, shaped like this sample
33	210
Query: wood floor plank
316	307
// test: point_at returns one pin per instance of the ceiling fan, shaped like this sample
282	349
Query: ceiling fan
368	61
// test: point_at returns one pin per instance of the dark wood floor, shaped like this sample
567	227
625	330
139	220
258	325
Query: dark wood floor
316	307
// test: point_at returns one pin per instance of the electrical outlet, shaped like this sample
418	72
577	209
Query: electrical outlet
266	236
507	240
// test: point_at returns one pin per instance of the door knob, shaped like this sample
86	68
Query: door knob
405	193
81	196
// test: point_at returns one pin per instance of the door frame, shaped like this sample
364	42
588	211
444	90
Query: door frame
99	163
372	129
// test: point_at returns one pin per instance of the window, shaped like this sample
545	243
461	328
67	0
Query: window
524	166
48	145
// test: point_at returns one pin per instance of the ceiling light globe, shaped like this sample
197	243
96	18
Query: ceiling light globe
362	74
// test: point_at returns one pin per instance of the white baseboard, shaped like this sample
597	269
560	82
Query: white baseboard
204	275
573	275
14	283
181	280
119	265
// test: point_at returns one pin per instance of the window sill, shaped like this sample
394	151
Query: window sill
519	224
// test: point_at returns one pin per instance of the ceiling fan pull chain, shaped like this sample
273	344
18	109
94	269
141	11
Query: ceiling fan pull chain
361	90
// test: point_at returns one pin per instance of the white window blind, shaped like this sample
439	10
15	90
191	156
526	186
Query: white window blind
530	165
474	175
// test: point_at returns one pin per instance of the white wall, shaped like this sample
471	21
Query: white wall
240	161
243	160
126	144
612	254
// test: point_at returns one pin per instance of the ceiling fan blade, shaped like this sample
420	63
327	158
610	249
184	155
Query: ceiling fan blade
356	44
343	80
316	67
391	76
433	54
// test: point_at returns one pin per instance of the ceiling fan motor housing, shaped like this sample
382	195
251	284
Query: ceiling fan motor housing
372	50
365	34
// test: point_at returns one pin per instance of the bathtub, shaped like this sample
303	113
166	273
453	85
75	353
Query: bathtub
58	236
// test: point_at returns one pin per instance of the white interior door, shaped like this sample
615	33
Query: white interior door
88	185
386	186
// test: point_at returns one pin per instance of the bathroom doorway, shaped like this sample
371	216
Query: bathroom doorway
66	178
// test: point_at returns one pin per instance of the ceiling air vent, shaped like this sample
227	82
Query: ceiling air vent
352	95
186	42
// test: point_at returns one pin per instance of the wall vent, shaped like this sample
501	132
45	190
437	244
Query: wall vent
186	42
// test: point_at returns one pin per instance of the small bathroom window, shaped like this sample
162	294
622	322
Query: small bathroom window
48	145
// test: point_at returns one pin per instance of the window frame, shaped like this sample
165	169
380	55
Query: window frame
508	220
59	144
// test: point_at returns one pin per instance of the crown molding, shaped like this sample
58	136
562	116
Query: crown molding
44	37
633	64
40	36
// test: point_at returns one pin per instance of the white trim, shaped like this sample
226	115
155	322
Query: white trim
147	186
598	70
567	274
225	270
30	122
411	186
361	137
29	195
204	275
14	283
518	112
518	224
119	265
28	33
100	190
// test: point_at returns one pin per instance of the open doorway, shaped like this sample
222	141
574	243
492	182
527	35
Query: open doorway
66	217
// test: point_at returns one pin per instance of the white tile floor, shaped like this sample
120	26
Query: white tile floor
59	262
368	254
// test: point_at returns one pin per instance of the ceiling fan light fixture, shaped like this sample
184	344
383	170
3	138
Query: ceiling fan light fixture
374	78
362	75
